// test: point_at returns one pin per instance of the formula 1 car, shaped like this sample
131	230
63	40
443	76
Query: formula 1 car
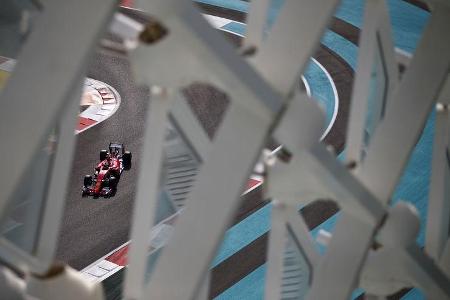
107	173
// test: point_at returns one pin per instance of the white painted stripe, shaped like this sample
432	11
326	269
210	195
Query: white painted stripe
101	271
225	19
97	271
109	101
95	117
108	106
336	98
102	113
307	87
216	22
107	265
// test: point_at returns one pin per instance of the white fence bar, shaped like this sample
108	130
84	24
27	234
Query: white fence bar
188	125
375	37
438	218
256	23
148	191
302	234
413	100
211	201
275	254
59	180
306	20
49	93
444	262
385	159
427	276
366	55
346	251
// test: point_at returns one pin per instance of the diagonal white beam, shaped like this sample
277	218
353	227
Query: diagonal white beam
302	235
204	291
360	93
375	38
60	45
348	191
423	271
188	125
438	220
385	159
237	144
59	178
51	211
343	253
280	57
444	262
249	118
256	23
212	202
388	50
412	102
147	194
199	53
275	253
444	96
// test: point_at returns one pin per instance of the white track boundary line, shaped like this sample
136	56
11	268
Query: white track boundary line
336	98
307	87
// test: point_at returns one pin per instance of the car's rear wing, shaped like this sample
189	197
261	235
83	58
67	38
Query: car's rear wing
116	145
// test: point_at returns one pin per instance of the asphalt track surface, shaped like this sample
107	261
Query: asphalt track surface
91	228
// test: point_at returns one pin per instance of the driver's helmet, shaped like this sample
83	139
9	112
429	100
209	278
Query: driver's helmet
106	166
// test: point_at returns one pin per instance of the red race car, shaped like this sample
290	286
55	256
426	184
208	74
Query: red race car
107	173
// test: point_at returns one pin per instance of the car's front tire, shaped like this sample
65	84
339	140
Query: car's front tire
126	158
112	182
103	155
87	180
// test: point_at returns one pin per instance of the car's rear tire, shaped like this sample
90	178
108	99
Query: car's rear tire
126	158
103	155
87	180
112	181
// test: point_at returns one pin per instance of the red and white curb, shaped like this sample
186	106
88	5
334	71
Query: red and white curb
102	99
117	259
